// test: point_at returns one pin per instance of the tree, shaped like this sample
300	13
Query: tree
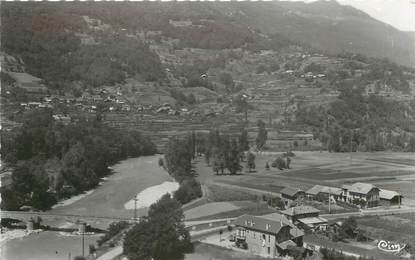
233	158
250	164
243	141
279	163
411	145
288	162
139	240
348	228
160	236
262	135
242	106
188	190
172	238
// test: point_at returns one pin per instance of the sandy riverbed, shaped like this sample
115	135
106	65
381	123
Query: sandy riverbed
152	194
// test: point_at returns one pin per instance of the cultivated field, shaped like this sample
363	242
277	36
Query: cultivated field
394	171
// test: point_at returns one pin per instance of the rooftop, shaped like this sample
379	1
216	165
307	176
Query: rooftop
325	189
290	191
388	194
299	210
313	220
359	187
259	223
294	231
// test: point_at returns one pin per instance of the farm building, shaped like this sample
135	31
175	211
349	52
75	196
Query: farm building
264	236
363	194
306	217
389	198
322	193
289	194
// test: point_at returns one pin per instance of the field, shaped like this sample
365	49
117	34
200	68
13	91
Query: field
400	228
394	171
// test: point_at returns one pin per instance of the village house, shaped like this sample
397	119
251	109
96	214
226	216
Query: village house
362	194
289	195
296	234
322	193
264	236
306	217
389	198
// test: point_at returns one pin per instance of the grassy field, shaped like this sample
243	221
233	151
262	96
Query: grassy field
388	170
400	228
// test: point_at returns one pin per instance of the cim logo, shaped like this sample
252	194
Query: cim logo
389	246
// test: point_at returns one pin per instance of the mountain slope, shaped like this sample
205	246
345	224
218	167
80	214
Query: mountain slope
331	27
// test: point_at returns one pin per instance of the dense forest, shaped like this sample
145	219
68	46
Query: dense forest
47	39
356	122
52	161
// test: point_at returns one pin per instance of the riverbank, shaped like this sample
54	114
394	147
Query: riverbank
151	195
130	177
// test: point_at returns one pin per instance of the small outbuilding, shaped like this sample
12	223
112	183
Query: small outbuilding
389	197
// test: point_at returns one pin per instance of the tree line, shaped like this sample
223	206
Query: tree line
52	161
178	161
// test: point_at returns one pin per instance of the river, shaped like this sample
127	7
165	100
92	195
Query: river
130	177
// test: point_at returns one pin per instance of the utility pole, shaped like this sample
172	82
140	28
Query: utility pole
350	148
83	243
82	228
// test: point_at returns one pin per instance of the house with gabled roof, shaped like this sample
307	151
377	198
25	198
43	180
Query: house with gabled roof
362	194
266	236
290	194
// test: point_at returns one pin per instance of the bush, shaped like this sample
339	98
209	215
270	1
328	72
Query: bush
189	189
279	163
161	162
113	230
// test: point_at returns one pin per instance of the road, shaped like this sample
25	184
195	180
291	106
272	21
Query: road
45	216
371	212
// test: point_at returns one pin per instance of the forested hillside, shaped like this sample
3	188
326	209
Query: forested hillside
315	70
